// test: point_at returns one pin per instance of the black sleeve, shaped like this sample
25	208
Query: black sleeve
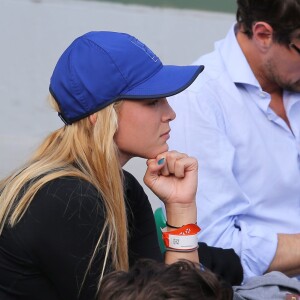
143	241
60	229
223	262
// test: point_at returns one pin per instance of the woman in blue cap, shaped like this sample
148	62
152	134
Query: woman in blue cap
71	214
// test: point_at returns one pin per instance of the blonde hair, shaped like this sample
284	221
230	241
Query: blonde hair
86	151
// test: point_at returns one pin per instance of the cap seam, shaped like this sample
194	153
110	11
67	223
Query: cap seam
82	103
108	54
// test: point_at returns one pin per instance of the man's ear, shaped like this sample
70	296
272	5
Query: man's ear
93	118
262	35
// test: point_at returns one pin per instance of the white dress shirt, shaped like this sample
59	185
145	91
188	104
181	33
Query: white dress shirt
249	175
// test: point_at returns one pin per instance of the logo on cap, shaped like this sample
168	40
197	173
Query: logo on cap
142	46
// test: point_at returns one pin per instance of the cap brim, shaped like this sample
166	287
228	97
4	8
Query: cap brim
168	81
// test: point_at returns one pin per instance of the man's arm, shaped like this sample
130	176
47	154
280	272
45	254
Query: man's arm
287	257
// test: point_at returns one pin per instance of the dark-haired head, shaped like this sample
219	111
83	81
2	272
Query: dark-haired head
148	279
281	15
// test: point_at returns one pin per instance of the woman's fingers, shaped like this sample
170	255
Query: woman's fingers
154	169
172	163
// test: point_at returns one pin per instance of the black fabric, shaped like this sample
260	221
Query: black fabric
223	262
46	254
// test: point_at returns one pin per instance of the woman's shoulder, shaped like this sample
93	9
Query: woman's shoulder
67	195
63	185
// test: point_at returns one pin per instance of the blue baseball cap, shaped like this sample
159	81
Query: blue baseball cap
102	67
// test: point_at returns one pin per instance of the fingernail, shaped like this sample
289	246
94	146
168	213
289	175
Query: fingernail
161	161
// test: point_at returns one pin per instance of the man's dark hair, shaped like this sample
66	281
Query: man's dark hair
282	15
148	280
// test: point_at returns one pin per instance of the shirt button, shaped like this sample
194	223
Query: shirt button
263	95
270	116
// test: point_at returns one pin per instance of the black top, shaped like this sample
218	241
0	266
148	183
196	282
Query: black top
46	254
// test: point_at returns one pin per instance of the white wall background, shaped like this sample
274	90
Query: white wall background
34	33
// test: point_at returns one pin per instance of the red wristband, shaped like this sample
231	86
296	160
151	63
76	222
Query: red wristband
183	238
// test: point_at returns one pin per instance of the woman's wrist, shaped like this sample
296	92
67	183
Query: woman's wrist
179	215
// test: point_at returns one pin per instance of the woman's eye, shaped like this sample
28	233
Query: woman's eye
153	102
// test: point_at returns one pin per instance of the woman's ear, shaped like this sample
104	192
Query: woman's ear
93	118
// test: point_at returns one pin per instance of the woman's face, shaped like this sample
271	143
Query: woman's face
143	128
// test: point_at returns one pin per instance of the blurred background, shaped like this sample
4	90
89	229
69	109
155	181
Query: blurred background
34	33
228	6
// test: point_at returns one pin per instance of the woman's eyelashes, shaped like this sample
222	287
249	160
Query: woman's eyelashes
153	102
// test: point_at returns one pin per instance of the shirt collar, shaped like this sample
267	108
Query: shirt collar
231	54
239	70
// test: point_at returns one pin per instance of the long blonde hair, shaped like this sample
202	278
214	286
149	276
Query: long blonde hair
88	152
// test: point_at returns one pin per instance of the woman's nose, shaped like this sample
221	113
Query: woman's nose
169	114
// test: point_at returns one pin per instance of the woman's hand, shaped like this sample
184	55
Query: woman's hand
173	176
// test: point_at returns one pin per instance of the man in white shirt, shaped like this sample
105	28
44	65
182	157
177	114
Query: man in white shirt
242	122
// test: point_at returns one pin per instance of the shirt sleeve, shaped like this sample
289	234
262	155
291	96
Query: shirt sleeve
200	130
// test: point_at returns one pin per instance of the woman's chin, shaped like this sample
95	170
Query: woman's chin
157	152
